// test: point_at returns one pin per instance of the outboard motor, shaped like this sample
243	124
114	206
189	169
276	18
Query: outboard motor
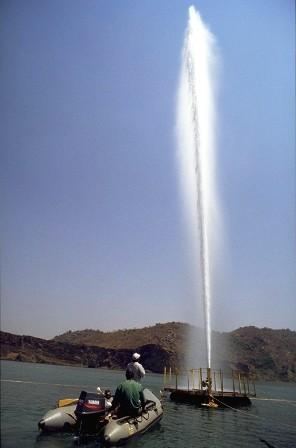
90	412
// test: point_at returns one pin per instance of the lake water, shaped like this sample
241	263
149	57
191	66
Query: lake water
29	390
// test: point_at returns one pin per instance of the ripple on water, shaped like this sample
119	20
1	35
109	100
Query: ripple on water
183	425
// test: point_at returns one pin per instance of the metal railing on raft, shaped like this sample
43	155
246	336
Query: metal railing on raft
213	380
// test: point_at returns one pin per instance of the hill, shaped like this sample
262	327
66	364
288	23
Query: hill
265	353
36	350
170	336
271	353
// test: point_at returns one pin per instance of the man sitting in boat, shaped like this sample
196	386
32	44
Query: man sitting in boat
135	368
129	398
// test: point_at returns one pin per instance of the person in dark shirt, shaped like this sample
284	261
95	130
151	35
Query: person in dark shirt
137	370
129	398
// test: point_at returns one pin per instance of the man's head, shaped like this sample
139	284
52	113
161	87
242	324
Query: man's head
135	356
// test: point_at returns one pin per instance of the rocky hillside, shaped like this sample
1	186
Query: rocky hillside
30	349
271	353
170	336
265	353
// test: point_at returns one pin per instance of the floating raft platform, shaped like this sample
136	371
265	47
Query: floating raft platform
206	387
200	398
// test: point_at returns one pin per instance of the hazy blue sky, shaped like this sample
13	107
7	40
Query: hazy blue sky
91	219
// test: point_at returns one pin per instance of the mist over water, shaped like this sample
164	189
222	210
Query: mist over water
196	129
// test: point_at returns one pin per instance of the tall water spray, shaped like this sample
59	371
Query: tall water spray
196	150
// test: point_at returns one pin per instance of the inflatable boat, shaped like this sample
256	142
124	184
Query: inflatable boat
60	419
119	431
88	416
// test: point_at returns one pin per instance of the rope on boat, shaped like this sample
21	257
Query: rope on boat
144	415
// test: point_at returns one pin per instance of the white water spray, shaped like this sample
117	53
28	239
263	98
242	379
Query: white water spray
196	150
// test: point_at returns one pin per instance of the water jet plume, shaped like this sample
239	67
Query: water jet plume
196	124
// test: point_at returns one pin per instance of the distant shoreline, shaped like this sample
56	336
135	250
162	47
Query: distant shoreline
265	354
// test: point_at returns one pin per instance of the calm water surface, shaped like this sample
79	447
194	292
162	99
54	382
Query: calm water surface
29	390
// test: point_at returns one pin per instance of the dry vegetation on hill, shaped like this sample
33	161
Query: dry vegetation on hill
170	336
266	353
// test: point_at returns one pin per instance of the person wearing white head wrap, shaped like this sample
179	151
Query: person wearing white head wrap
135	368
